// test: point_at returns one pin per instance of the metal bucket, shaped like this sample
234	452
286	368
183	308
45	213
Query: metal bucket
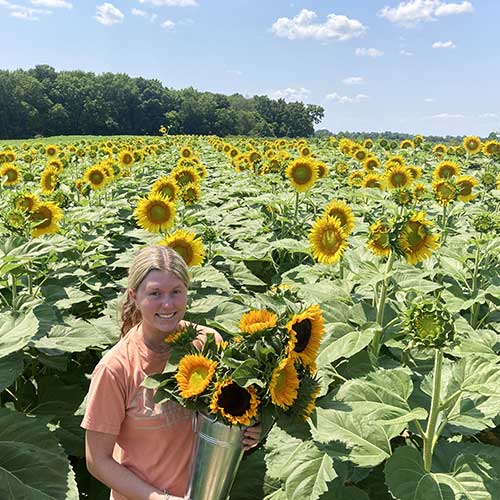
217	456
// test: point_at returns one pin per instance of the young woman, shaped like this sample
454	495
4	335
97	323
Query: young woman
139	449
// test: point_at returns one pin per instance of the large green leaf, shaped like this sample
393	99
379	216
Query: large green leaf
15	333
351	437
32	463
470	478
10	368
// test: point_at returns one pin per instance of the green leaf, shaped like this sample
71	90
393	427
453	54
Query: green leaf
247	373
365	443
10	368
32	463
16	333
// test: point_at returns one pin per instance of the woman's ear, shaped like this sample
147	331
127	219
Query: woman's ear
132	295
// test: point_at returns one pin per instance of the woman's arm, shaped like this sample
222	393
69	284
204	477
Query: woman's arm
101	464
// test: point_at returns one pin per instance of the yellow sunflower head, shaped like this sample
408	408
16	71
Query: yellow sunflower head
440	150
302	173
166	187
305	333
355	179
491	148
444	191
343	212
372	180
416	239
371	163
284	384
45	218
341	168
472	144
186	152
126	158
368	143
446	170
155	213
465	185
185	175
322	169
398	177
419	191
379	238
194	374
12	174
238	405
95	177
51	150
56	164
256	321
407	144
48	180
327	239
187	245
26	202
416	172
361	154
191	193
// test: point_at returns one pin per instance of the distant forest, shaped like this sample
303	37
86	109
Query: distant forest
44	102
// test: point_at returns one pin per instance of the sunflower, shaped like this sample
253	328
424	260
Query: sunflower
327	239
126	158
465	184
472	144
416	239
56	164
238	405
341	168
445	170
356	178
284	384
186	152
407	144
440	150
254	156
302	173
444	191
419	191
166	187
402	196
191	193
416	172
310	406
48	180
187	245
257	321
418	139
155	213
373	181
361	155
26	202
162	129
45	218
322	169
51	150
341	210
305	151
398	177
491	148
305	330
368	143
194	374
96	177
395	159
378	241
12	173
185	175
371	163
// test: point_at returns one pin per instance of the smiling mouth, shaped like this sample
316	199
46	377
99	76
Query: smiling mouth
166	316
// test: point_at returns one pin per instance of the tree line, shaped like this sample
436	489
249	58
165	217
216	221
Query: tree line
44	102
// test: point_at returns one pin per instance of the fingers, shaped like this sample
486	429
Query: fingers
251	437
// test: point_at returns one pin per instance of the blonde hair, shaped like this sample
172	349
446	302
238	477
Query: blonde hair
150	258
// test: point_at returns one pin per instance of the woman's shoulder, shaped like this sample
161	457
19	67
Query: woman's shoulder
120	357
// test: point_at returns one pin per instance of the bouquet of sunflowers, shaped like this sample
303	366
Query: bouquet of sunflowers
265	370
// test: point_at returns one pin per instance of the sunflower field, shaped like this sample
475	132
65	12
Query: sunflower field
397	243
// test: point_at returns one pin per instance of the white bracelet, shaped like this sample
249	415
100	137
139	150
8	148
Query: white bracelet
167	496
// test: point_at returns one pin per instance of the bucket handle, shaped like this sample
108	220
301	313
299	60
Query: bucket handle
195	421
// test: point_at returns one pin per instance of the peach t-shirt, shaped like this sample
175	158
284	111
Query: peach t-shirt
154	441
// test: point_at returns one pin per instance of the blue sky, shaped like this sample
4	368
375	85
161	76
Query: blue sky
417	66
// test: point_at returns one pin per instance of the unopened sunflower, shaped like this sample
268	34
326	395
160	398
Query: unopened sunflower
194	374
238	405
187	245
155	213
284	384
328	240
302	174
416	239
257	321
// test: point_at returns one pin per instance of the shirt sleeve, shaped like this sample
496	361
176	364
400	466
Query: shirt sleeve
106	402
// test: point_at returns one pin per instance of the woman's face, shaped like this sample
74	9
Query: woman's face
162	300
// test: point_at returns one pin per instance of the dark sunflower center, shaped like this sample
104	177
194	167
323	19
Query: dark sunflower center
341	216
127	159
330	240
184	250
96	177
416	234
399	179
302	174
158	214
234	400
44	216
11	175
303	330
465	188
446	191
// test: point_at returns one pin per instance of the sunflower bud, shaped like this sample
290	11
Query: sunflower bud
429	324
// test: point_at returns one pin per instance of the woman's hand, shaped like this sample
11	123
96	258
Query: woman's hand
251	436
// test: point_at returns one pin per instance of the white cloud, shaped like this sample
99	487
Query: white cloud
171	3
336	27
139	13
371	52
447	116
53	3
235	72
430	99
353	80
290	94
443	45
410	13
25	13
108	14
344	99
404	52
167	24
488	115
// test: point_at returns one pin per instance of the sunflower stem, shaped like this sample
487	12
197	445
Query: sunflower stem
296	205
430	434
377	338
475	281
445	222
14	291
